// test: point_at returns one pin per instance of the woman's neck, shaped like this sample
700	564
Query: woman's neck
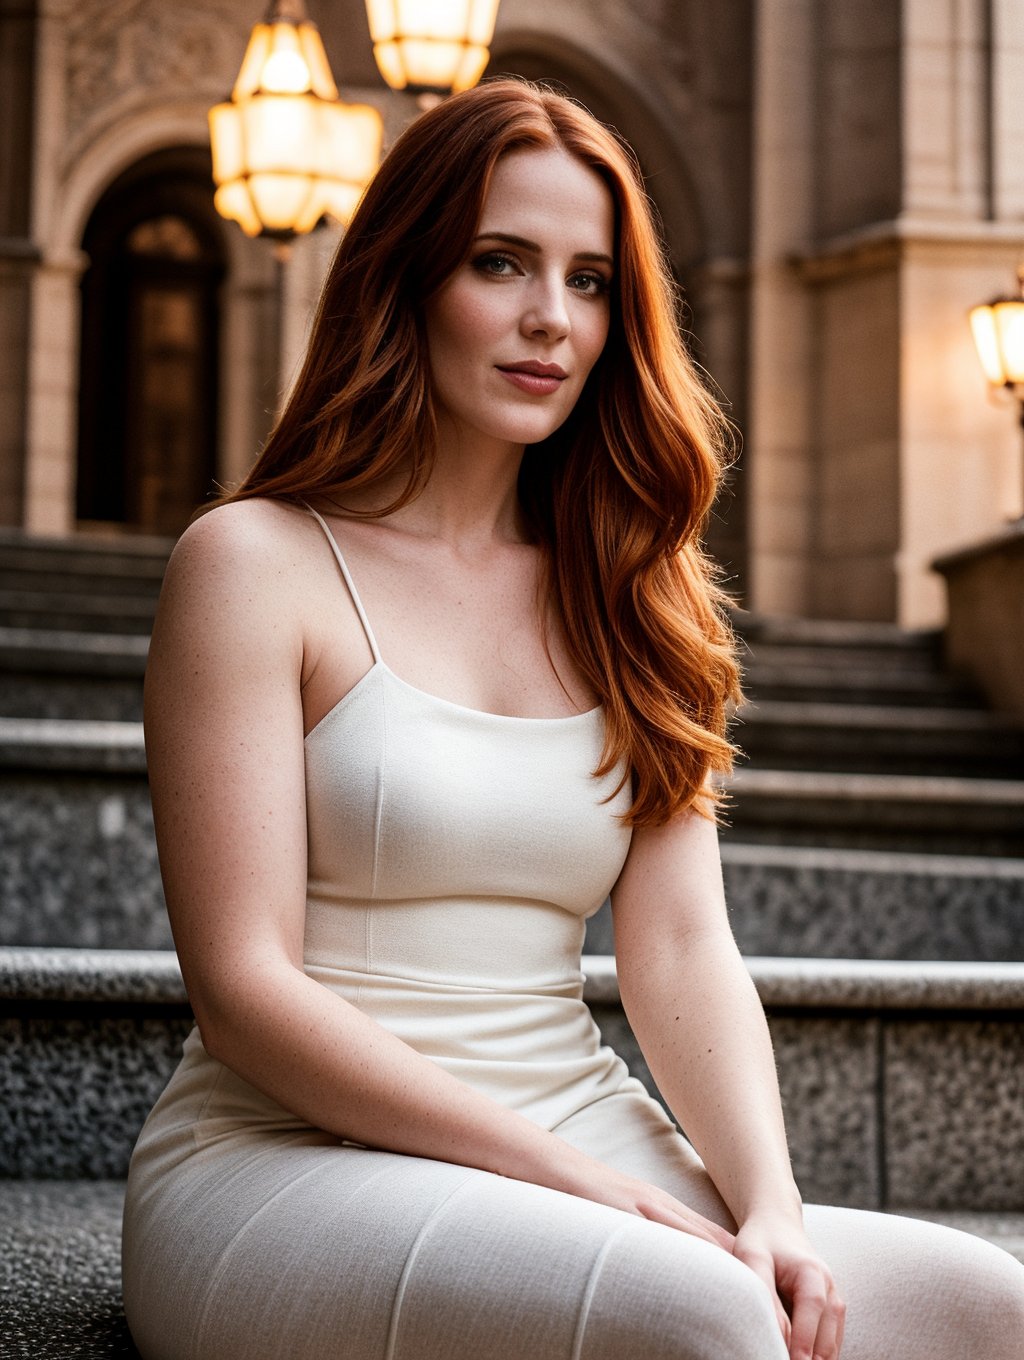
470	499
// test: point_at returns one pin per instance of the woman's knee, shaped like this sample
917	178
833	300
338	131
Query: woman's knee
919	1289
671	1297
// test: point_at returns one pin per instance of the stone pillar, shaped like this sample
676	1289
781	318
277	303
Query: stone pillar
889	198
53	399
1007	124
779	467
49	505
963	233
18	253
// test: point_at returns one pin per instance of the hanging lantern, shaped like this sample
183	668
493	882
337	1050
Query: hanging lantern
998	328
286	150
431	46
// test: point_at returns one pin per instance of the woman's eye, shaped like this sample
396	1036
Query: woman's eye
498	265
592	285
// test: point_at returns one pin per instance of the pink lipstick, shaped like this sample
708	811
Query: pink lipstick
532	376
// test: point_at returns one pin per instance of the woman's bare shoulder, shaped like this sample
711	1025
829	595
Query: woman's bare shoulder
257	533
241	550
239	567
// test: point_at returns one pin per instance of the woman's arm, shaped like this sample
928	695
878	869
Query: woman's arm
224	739
700	1025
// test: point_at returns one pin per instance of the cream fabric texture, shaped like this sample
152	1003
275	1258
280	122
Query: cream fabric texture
454	857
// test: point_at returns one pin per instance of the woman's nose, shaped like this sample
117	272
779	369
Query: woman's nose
546	312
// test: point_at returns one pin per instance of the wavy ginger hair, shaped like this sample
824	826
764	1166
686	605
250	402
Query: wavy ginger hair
615	498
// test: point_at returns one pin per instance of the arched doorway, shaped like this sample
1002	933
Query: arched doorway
148	388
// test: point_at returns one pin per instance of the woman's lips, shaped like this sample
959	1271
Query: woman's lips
529	379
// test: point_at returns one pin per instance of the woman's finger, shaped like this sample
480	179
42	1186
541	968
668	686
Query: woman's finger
696	1227
830	1329
764	1268
810	1297
686	1220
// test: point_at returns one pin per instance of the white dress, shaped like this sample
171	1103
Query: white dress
454	856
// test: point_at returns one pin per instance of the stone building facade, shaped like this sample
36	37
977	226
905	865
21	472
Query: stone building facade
839	181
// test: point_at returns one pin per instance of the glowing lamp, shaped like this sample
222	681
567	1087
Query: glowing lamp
431	46
998	328
286	150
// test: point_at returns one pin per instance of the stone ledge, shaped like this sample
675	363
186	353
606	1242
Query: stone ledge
863	904
85	547
152	976
45	743
903	862
873	718
137	976
985	632
833	632
908	789
956	814
1010	538
902	1085
78	867
856	984
72	744
60	651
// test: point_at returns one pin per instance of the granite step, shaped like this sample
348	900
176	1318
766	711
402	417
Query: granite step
809	901
60	1271
984	816
77	611
83	556
840	662
765	679
877	811
868	739
50	673
73	654
839	638
903	1082
78	868
78	862
80	584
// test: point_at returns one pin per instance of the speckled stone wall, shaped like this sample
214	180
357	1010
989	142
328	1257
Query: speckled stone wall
78	863
78	866
903	1085
819	903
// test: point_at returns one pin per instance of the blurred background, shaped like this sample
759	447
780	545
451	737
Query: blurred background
839	184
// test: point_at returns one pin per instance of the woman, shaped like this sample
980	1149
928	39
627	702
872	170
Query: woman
443	671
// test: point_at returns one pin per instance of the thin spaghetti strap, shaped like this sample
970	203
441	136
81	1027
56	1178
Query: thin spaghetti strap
349	583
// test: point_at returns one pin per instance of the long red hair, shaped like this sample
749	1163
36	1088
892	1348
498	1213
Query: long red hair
616	497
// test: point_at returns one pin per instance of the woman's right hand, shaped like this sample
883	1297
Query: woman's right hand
594	1180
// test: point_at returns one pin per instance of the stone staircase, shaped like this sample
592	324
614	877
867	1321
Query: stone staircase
874	863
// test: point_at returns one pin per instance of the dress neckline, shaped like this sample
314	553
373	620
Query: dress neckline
381	668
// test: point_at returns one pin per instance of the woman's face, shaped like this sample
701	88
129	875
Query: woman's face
513	333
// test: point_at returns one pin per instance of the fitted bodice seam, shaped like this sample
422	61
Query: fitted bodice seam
378	815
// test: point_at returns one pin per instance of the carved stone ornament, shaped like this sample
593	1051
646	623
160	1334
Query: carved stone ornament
152	50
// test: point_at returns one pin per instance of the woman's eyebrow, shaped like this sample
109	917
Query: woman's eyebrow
521	241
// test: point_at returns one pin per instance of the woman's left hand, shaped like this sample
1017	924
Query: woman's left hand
811	1313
